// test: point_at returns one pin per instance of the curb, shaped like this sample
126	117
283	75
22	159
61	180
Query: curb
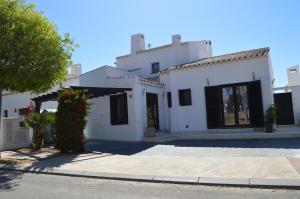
211	181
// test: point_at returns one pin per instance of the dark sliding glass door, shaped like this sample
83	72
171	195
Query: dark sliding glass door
235	106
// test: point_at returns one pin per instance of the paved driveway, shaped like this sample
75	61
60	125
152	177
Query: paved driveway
263	159
203	148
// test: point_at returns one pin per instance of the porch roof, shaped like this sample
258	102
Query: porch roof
93	92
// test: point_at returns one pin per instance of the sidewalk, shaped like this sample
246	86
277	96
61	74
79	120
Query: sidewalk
154	163
234	171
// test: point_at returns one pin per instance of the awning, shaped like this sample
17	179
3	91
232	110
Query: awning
92	92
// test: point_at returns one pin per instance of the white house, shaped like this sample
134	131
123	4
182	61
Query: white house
176	88
15	104
184	86
287	99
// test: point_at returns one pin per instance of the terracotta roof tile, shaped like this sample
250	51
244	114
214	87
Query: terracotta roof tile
221	59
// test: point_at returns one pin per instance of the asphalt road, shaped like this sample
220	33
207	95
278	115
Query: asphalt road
15	185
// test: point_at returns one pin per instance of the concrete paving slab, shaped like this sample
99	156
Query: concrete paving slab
229	181
295	162
67	172
275	182
176	179
117	176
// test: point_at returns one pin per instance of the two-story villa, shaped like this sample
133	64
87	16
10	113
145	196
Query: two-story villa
176	88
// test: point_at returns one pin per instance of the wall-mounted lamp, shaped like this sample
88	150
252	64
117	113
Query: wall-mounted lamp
207	81
253	76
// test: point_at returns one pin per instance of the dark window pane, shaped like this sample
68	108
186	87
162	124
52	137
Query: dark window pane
5	113
155	67
118	109
169	96
22	111
185	97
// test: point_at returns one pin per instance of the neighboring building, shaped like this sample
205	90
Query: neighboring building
293	75
15	104
287	99
177	88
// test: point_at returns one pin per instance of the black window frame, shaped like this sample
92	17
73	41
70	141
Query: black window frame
157	69
5	113
117	118
185	100
22	111
169	99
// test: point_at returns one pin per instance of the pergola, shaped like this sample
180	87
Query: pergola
92	92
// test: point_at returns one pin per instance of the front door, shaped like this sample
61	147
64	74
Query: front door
152	110
235	106
284	108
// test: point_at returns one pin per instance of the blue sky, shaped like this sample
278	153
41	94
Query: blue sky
103	28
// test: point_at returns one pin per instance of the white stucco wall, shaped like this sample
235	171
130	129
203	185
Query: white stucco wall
293	76
296	103
14	101
217	74
98	121
167	56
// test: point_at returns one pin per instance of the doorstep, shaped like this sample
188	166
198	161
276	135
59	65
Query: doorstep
247	133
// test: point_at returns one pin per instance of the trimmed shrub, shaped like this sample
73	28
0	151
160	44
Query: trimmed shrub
70	120
38	122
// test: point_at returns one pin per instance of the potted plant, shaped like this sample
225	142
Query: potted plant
150	130
270	119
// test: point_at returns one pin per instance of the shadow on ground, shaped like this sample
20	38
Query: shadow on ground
131	148
100	149
8	180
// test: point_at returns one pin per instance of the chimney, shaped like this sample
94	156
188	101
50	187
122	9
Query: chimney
75	70
137	43
176	39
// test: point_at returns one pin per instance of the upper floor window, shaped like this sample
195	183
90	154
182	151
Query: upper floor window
169	96
155	67
185	97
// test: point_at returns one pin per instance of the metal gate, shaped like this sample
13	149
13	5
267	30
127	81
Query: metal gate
284	105
14	136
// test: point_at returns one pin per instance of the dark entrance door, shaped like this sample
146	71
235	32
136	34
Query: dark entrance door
152	110
284	105
235	106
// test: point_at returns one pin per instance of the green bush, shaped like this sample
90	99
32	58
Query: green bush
270	116
38	122
70	120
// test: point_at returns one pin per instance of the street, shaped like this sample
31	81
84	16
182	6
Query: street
26	185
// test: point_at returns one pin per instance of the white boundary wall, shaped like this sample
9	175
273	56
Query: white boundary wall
12	136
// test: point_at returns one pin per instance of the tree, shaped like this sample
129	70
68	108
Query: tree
70	120
38	122
33	55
